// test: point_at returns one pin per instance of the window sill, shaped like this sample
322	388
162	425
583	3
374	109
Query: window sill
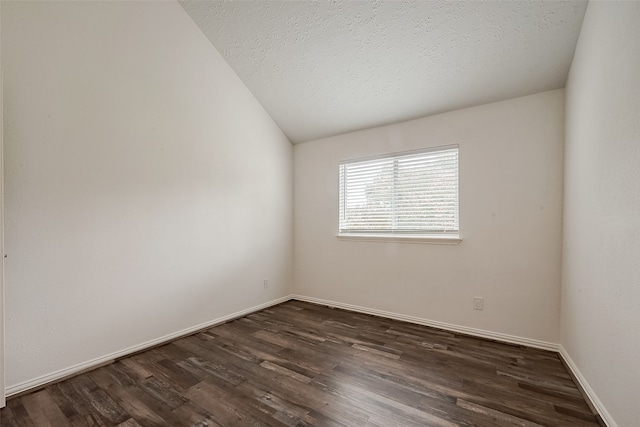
393	238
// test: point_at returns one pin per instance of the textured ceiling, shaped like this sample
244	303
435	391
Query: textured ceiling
324	68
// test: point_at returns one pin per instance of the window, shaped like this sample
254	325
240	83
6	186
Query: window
406	194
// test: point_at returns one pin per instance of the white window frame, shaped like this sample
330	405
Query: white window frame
406	236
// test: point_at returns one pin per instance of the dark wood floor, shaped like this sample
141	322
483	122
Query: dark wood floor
299	364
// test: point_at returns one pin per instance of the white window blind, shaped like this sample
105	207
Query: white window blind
408	193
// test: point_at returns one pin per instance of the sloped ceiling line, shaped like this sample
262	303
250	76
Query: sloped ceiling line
325	68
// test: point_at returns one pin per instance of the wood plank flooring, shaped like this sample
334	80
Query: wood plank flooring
300	364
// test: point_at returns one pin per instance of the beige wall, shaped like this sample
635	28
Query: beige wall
147	191
510	222
601	250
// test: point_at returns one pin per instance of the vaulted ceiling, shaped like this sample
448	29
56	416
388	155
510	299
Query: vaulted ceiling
323	68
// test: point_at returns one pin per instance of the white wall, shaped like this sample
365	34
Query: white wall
601	250
510	219
147	191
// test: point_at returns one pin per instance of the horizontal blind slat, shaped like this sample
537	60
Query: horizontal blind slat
416	192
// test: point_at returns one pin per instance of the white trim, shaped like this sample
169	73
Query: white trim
497	336
595	401
398	238
511	339
63	373
2	297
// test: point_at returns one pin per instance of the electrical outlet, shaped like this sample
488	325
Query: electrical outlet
478	303
266	283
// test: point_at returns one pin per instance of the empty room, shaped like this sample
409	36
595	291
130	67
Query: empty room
320	213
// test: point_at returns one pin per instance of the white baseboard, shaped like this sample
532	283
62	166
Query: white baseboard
72	370
511	339
595	401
